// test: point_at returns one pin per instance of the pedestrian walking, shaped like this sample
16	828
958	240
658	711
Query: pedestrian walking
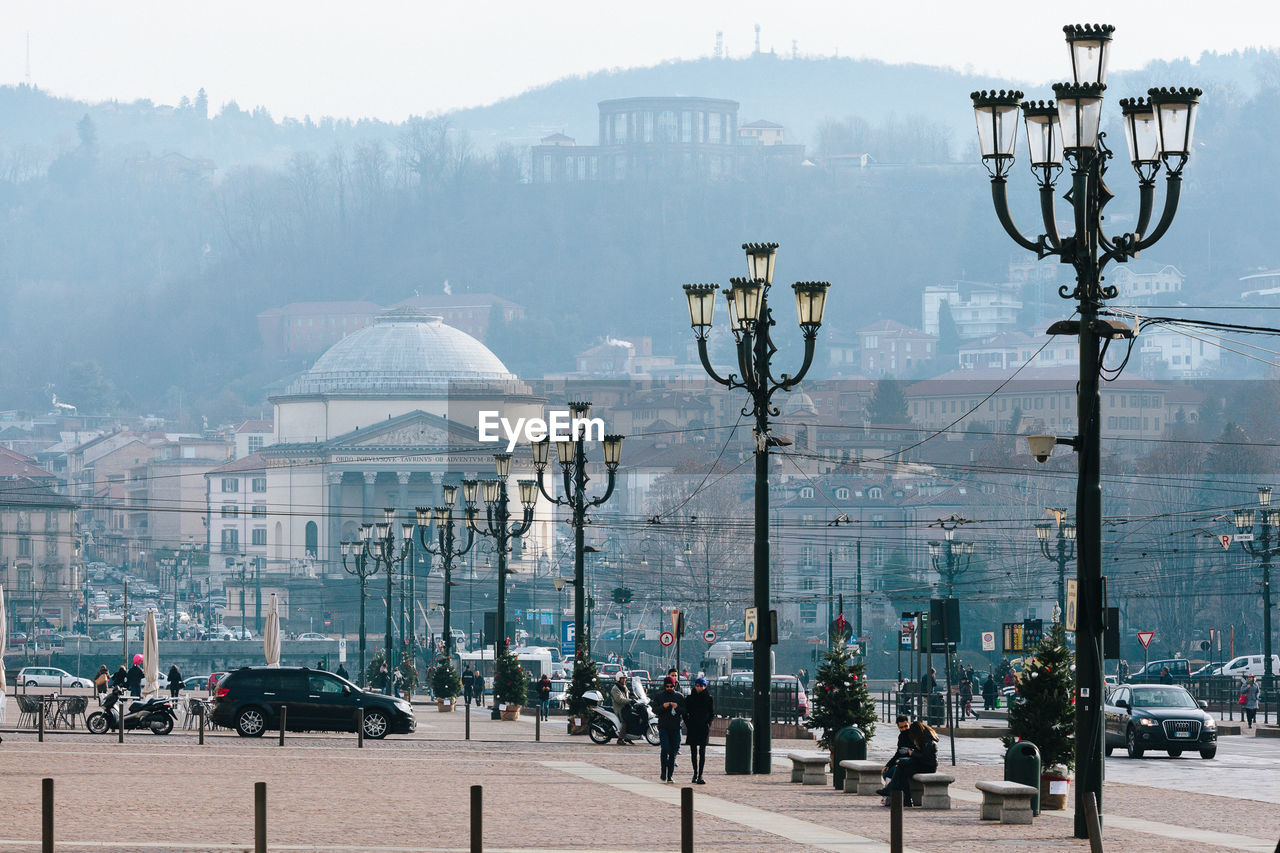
544	696
468	681
133	679
119	679
669	706
621	698
966	699
699	711
1249	699
175	681
929	681
101	679
989	693
342	672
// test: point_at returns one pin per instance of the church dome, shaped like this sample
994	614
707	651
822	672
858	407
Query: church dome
404	350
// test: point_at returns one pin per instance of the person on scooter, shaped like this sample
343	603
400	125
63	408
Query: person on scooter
669	706
133	680
621	697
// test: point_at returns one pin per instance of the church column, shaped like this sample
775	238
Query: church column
437	488
366	506
402	496
333	508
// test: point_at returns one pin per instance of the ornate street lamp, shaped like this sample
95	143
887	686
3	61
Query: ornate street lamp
362	568
378	542
502	530
1062	553
572	456
1264	546
446	548
1159	131
951	558
750	322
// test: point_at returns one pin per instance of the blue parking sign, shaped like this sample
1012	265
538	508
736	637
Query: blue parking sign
568	633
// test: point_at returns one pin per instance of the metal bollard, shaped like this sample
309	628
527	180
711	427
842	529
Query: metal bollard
41	724
468	721
120	714
895	822
259	817
46	816
200	714
284	720
1092	824
360	728
537	726
686	820
477	819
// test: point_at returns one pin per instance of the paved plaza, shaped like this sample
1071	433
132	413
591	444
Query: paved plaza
567	794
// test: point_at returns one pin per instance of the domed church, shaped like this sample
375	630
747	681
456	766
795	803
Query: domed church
385	418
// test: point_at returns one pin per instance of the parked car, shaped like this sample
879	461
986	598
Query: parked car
786	686
214	678
1249	665
196	682
312	636
560	694
1208	670
250	700
49	676
17	640
1158	716
1179	669
608	671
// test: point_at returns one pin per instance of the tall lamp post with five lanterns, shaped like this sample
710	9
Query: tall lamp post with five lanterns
1159	131
446	548
751	321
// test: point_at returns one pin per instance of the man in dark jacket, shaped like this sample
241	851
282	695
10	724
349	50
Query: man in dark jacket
989	693
699	711
133	681
468	681
922	757
669	706
342	672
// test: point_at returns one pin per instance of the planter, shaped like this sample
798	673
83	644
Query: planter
1054	791
444	705
509	712
577	726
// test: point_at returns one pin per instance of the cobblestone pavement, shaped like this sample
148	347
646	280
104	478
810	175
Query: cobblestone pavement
412	794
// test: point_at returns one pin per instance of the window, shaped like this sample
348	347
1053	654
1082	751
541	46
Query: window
312	534
24	550
806	584
842	494
877	519
808	555
259	536
809	611
230	539
230	511
875	493
260	485
806	492
230	484
259	510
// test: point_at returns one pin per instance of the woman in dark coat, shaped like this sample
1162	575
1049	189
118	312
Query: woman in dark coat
922	757
699	711
175	681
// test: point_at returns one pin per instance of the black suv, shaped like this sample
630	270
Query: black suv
250	698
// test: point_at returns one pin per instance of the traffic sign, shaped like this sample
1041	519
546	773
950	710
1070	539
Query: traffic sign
1144	637
666	638
1225	539
342	650
988	641
1069	618
709	635
752	624
568	638
1243	537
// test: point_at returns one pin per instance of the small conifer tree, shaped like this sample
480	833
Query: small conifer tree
585	677
1041	712
840	696
509	684
445	683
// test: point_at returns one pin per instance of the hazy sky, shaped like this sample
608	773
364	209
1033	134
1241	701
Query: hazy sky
393	58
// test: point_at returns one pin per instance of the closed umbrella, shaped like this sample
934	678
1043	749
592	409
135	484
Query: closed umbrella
4	632
271	635
151	655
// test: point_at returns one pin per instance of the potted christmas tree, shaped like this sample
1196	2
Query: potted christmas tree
585	678
840	697
445	684
509	686
1042	713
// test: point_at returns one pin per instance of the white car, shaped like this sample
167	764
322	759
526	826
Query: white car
49	676
311	635
240	632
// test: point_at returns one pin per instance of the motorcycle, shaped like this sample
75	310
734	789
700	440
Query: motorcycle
640	720
155	713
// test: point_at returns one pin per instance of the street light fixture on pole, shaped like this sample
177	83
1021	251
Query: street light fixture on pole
378	541
502	530
751	321
1062	553
446	549
572	456
1159	130
946	556
1264	546
362	568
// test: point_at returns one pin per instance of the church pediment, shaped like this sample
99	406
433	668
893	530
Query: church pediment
416	429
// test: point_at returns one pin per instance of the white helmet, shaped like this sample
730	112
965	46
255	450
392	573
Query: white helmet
593	696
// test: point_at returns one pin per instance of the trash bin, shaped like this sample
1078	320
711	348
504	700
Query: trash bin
738	744
1022	765
849	744
937	711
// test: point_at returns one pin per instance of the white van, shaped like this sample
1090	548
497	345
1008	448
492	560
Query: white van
1249	665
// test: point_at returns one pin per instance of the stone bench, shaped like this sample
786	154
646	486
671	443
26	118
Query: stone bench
808	768
862	777
1007	802
932	790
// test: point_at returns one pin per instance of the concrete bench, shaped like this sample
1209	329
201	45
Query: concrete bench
932	790
862	777
1007	802
808	769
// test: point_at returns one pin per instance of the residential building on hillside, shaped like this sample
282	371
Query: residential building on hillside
1010	350
978	310
1150	287
40	567
253	435
236	508
166	497
889	348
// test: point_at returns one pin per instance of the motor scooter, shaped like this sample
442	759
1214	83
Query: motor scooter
155	713
640	720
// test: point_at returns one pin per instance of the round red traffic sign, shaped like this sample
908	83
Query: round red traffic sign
666	638
709	635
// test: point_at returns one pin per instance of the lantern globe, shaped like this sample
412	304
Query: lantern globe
702	303
1090	46
1079	114
1044	133
997	115
1175	110
748	293
811	302
760	260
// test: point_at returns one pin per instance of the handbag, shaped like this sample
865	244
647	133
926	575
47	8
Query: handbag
1243	700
